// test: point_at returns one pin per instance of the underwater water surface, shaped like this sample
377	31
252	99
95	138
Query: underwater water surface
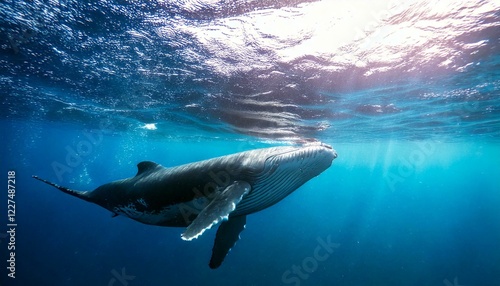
406	93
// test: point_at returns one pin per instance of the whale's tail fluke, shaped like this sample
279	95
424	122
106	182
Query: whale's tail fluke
78	194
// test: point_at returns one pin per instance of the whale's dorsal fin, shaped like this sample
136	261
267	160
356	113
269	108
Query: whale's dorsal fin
218	209
145	166
227	235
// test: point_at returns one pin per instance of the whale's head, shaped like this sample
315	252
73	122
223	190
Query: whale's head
279	171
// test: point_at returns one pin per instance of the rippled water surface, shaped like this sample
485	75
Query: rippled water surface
341	70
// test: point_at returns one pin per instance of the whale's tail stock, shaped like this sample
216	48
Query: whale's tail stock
78	194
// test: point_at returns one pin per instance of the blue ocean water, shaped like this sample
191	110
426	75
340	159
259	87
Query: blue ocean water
406	93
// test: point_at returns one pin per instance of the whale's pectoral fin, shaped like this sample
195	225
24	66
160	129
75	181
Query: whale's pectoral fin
218	209
227	235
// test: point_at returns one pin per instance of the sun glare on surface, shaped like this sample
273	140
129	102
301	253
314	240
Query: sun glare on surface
376	36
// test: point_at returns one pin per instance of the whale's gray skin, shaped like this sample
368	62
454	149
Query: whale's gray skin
201	194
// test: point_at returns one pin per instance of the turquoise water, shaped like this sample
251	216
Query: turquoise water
406	93
399	213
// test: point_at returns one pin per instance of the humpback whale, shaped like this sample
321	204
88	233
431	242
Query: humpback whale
201	194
